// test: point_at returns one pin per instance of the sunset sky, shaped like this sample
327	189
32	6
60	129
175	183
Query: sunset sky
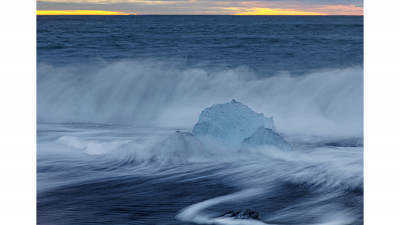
203	7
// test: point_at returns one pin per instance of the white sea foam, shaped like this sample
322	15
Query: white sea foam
168	95
93	147
194	213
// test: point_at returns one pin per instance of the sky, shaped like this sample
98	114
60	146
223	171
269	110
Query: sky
200	7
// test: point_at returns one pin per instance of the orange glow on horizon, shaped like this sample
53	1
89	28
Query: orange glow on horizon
79	12
274	12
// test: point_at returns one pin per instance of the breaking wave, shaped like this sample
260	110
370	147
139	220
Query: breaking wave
165	94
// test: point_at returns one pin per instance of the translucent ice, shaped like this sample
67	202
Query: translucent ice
234	123
178	148
265	136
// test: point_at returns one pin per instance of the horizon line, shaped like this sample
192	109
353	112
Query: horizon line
119	13
182	15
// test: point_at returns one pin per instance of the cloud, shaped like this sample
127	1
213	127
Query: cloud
221	7
341	9
78	12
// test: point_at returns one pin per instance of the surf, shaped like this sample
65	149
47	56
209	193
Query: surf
163	94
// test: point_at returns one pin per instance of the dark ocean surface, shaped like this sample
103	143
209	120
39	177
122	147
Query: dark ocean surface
264	43
111	89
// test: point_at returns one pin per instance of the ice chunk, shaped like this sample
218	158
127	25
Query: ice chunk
231	122
234	123
265	136
179	148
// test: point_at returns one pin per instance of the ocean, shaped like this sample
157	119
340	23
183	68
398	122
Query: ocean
112	89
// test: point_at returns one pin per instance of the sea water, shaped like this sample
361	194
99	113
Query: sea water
112	89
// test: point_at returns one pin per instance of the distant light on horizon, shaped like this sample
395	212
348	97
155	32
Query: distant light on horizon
79	12
275	12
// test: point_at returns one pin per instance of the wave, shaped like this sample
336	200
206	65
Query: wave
323	167
315	180
196	212
165	94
